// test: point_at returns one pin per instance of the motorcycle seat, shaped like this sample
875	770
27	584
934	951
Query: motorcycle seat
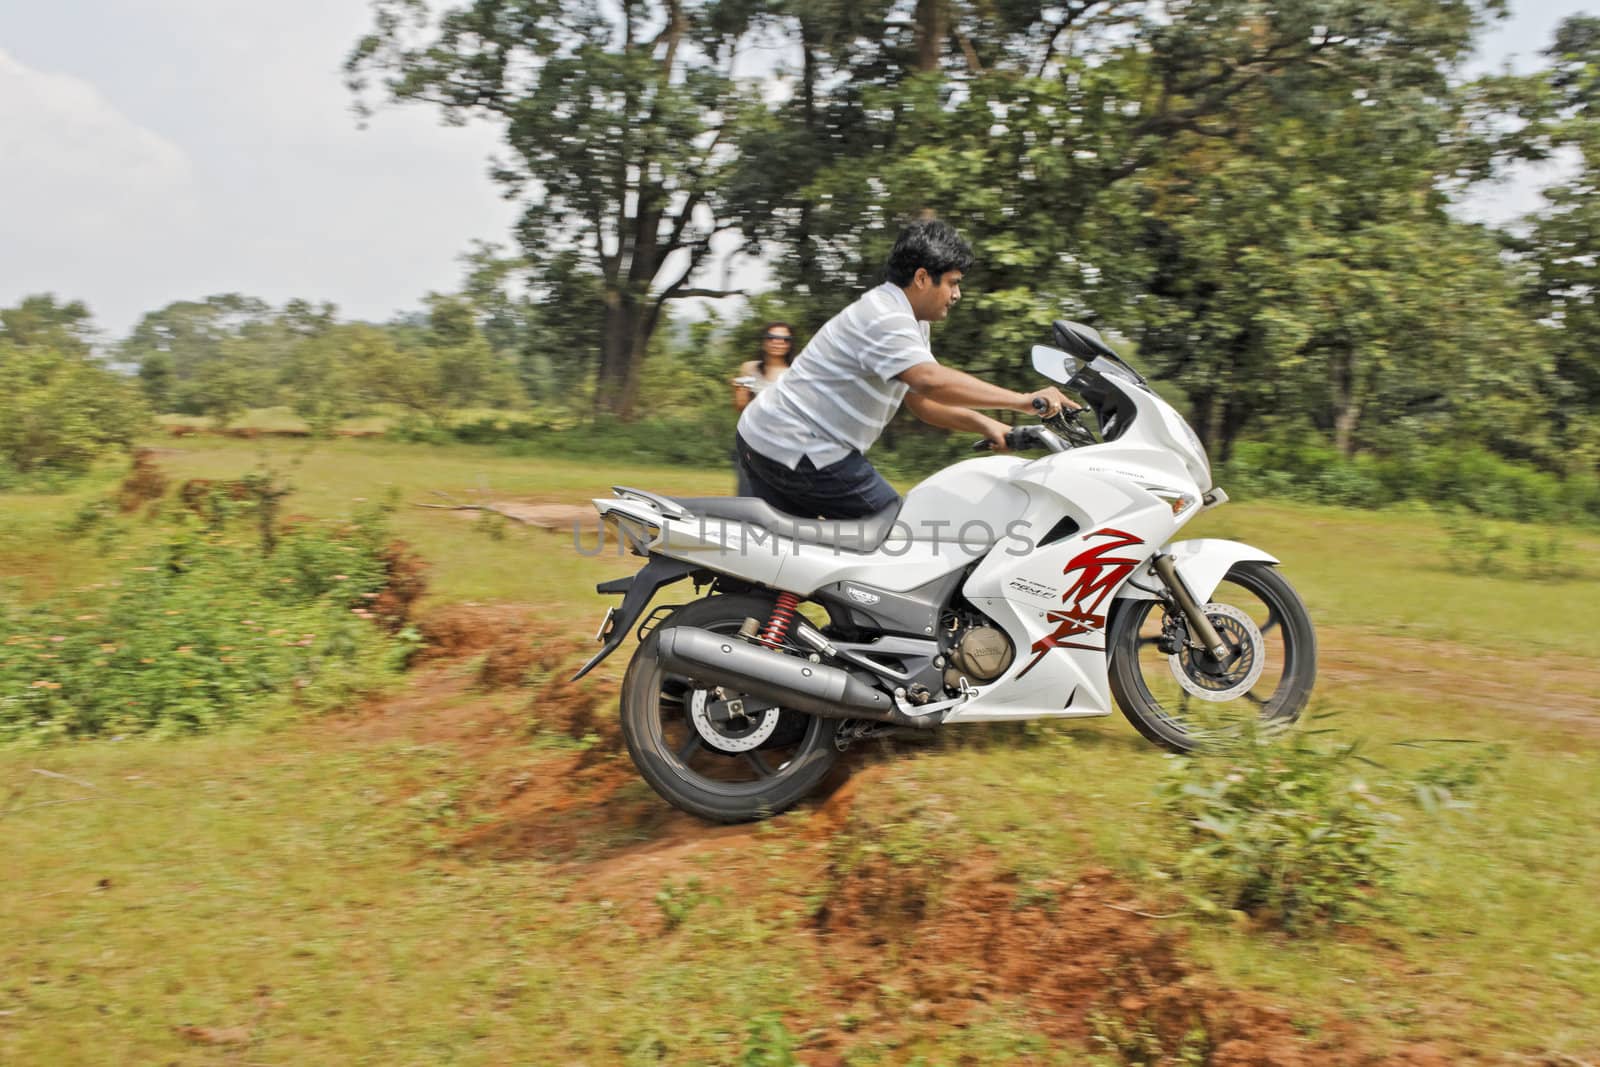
865	534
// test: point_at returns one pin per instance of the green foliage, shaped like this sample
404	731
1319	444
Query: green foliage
1290	833
1301	465
1137	1044
209	629
768	1043
229	353
213	357
1300	835
677	902
1472	545
620	120
1475	546
1202	178
1557	111
1449	783
40	322
60	408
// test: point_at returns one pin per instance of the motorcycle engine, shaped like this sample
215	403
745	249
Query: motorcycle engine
980	653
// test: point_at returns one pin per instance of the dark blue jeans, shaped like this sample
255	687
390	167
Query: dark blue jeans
848	489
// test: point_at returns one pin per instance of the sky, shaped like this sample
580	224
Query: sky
172	149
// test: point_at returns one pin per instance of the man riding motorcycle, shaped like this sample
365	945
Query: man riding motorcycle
801	443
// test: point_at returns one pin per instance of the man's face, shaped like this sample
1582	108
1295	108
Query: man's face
931	300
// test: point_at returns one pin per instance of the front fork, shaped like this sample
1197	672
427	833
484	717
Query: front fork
1193	611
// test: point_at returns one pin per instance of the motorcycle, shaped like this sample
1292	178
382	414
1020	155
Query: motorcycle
1002	588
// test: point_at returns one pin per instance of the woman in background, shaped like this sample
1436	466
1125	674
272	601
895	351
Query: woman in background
777	352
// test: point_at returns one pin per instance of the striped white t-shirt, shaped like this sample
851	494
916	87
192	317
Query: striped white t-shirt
840	392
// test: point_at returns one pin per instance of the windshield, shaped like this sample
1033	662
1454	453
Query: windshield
1112	409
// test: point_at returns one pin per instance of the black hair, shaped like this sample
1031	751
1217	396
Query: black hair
930	244
761	350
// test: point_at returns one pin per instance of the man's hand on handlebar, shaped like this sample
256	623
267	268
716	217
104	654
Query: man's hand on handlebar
1046	402
994	435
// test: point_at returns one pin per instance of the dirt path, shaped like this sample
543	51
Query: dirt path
1548	688
1089	961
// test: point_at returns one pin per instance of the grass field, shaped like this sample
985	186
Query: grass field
445	875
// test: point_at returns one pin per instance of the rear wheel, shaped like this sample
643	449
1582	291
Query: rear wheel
1184	700
726	769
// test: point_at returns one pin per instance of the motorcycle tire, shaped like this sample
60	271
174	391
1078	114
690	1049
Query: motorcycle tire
688	767
1173	717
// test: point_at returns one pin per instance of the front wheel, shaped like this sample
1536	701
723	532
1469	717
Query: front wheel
727	770
1180	698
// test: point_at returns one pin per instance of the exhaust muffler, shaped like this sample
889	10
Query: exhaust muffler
815	688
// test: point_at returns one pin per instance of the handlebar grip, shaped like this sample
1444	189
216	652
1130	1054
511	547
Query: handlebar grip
1016	440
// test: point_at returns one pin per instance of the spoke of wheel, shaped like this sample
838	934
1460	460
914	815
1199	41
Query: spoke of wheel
754	759
1272	620
1259	702
688	750
1145	641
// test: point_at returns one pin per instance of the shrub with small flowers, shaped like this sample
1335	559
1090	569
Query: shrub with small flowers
208	630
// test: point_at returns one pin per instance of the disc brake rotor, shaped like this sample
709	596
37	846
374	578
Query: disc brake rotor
1240	633
741	740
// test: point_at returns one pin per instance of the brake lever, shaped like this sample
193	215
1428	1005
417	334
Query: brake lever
1019	438
1066	425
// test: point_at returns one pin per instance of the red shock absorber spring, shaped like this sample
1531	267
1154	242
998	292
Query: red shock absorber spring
782	615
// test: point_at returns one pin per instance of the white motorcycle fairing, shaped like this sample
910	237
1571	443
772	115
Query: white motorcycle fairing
1055	541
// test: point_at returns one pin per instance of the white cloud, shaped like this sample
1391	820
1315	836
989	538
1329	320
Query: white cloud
73	167
215	151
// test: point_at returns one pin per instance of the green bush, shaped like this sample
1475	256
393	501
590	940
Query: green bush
59	411
208	630
1303	467
1288	833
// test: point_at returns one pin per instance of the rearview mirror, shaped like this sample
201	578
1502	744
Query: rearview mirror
1054	363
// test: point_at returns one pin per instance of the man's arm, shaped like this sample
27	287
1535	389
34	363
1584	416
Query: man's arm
948	386
950	417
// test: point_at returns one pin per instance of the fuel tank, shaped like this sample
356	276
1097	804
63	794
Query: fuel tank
969	503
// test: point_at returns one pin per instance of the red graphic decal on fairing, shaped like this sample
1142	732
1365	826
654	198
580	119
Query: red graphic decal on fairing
1098	574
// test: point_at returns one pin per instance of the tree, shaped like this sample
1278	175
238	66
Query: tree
59	407
196	357
1561	242
465	365
566	323
39	321
323	379
1158	167
618	120
1305	266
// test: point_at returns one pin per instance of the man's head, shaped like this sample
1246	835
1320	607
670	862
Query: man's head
928	262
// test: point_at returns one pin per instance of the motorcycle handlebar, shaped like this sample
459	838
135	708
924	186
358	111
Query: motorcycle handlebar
1063	425
1015	439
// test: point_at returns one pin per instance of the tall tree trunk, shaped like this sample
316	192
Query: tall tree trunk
1346	405
1235	416
930	33
621	353
1206	417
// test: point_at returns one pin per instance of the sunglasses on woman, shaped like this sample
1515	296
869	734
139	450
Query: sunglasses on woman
777	337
